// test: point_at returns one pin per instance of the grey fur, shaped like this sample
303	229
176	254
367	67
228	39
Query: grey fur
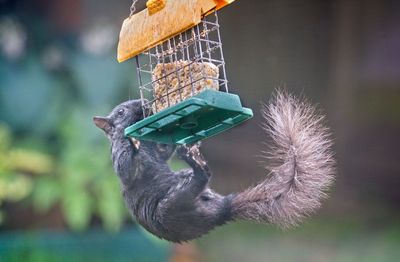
176	206
180	206
301	165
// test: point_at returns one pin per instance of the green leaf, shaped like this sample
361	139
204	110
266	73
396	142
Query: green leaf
46	193
2	216
110	204
17	187
5	137
76	206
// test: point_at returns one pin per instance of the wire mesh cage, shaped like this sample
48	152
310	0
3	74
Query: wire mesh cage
181	71
182	66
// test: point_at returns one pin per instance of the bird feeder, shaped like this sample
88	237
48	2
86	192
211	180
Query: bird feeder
181	71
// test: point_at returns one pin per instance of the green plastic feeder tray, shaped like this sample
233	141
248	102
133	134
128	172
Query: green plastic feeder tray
201	116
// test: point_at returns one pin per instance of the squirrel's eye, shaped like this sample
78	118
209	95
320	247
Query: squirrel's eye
205	198
121	112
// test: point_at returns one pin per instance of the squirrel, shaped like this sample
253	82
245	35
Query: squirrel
179	206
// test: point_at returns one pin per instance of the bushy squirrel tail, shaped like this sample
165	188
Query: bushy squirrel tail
301	165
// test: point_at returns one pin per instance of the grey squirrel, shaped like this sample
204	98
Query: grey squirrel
180	206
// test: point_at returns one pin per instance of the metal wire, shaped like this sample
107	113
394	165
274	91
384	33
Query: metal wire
200	44
133	7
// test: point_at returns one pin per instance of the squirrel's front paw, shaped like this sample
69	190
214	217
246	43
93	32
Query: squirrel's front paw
194	150
187	150
191	154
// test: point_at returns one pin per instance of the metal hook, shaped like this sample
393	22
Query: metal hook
133	7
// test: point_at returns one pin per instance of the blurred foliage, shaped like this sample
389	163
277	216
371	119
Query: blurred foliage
16	169
51	154
79	178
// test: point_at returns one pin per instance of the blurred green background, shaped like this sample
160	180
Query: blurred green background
59	197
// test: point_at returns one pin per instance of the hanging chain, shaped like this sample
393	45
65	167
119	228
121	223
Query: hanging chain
133	7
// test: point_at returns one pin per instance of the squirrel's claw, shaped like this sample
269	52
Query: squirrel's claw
135	143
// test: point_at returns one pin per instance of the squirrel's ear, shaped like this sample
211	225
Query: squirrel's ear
103	123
